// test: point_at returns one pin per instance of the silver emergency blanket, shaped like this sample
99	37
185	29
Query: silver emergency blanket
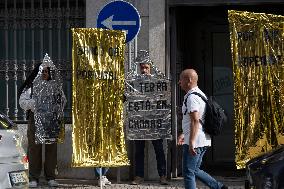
49	104
148	103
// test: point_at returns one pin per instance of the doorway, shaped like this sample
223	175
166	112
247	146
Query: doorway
199	38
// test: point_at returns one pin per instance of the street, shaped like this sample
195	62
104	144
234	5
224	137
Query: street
231	182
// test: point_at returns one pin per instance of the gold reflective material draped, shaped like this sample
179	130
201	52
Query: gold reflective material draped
257	52
97	107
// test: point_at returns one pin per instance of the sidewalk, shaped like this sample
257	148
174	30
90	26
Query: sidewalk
232	182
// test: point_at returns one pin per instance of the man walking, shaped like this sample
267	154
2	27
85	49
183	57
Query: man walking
195	141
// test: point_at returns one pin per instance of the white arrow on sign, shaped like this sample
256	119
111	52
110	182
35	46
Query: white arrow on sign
109	22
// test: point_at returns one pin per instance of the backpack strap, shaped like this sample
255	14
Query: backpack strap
198	94
185	104
195	93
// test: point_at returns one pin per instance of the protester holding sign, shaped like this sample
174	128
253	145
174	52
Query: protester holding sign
195	141
145	69
43	99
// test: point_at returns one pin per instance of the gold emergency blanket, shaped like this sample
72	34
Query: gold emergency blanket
97	106
257	51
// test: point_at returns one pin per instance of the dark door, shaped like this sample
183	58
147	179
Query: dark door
199	38
203	43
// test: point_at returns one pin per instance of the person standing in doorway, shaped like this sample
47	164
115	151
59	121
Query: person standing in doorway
194	140
145	68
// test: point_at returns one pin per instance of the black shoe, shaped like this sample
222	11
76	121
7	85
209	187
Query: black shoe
224	187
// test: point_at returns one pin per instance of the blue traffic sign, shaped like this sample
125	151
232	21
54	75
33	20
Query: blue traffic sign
120	15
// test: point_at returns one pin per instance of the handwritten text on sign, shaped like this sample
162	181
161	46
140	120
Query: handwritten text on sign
148	108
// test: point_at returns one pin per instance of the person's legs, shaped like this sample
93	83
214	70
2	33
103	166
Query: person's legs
160	156
189	166
139	162
139	158
50	161
98	170
34	152
104	170
103	179
202	175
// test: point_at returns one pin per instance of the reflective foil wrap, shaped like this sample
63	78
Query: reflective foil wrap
97	98
257	52
49	105
148	103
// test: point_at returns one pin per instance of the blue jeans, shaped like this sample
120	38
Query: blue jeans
104	171
139	157
191	169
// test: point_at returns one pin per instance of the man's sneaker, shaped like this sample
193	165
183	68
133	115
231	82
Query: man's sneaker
163	180
52	183
105	180
137	180
33	184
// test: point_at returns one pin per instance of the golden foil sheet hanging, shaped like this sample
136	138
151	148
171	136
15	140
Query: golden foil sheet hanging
97	107
257	52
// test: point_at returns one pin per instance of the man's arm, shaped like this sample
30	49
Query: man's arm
194	117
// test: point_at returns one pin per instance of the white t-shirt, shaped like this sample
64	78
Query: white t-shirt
194	104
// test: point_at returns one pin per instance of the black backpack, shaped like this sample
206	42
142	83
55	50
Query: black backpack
214	115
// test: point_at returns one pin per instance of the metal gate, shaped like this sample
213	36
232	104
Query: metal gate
28	30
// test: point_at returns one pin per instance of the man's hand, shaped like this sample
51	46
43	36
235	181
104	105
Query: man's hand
192	150
180	139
